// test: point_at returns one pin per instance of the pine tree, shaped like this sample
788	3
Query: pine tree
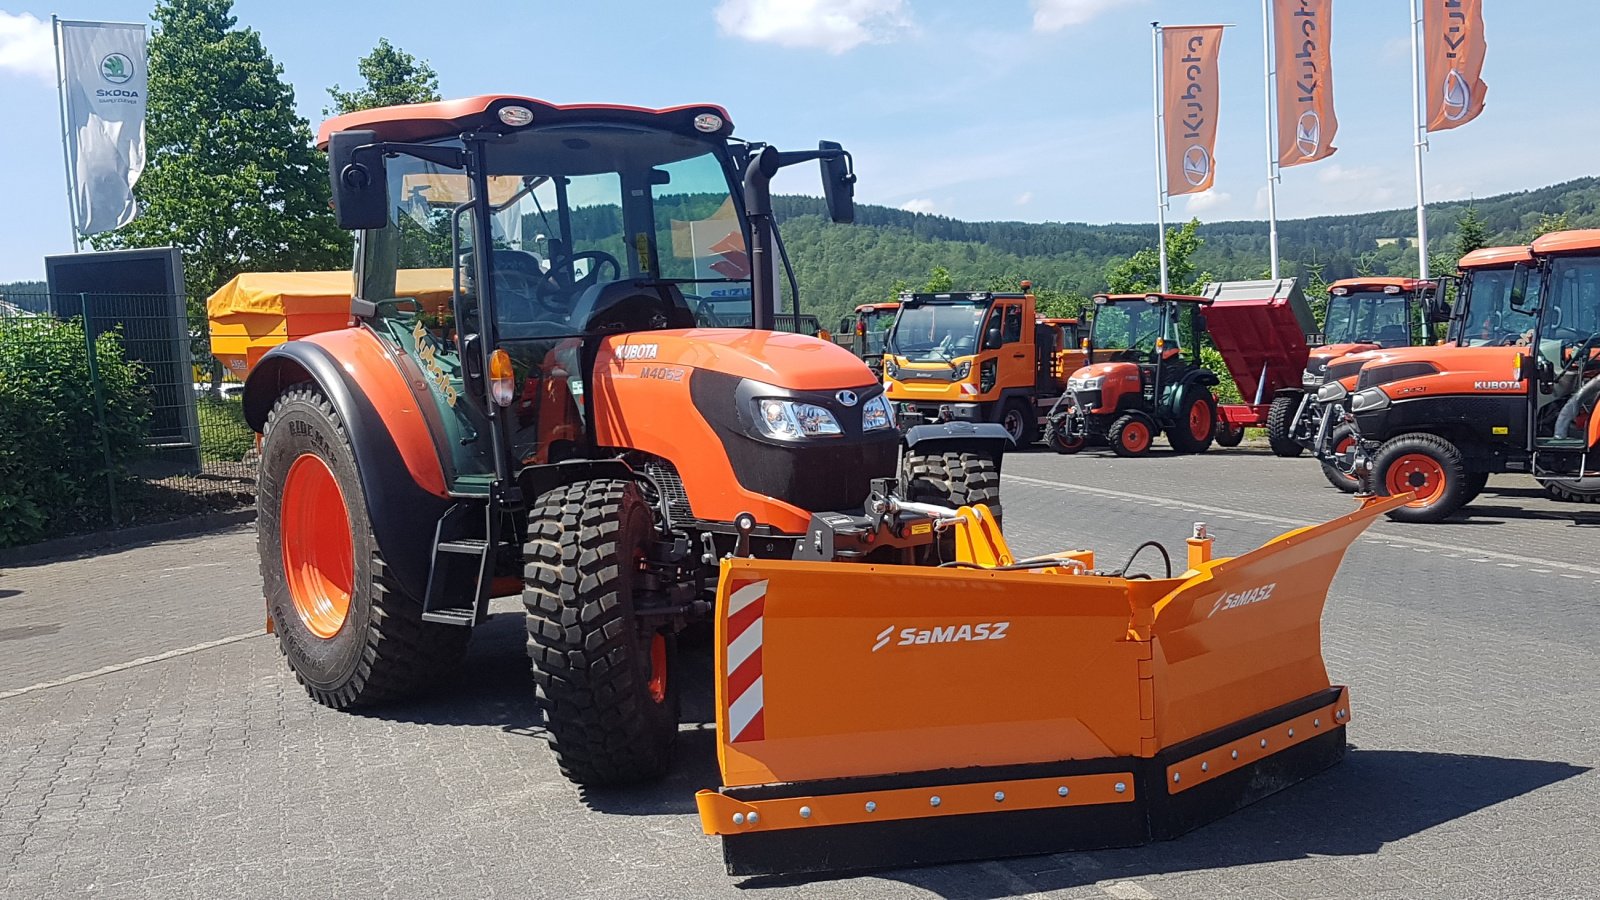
392	77
232	178
1470	233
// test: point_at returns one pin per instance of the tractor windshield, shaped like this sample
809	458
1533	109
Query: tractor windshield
873	324
1132	326
938	332
1368	317
1488	318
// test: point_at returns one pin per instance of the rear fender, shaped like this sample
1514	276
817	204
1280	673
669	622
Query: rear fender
400	471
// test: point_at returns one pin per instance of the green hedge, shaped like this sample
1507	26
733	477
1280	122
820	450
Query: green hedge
54	472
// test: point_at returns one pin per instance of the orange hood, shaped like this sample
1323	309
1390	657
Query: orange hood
792	361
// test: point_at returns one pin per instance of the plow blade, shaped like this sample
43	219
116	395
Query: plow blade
872	716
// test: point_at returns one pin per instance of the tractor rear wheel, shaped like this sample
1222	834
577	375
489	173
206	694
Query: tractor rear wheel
1573	490
351	635
604	682
1021	421
1131	434
1280	415
1340	473
1196	424
1430	467
953	479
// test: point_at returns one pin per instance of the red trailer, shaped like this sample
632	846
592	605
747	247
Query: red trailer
1261	328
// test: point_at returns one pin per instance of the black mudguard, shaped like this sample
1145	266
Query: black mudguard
981	437
402	513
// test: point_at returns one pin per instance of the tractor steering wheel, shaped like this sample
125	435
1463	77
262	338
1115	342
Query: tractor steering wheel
554	292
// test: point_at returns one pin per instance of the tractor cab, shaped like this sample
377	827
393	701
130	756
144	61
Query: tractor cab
1379	313
1483	315
867	328
1153	331
1562	360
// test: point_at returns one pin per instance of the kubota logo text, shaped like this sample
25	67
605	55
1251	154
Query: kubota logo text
941	634
637	351
1495	385
1236	599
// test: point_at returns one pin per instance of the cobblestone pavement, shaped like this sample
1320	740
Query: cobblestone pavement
169	772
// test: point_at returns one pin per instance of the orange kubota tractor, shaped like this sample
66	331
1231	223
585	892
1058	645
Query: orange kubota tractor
1436	422
891	685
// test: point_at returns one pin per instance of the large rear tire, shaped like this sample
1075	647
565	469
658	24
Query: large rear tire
1429	466
1573	490
351	635
1196	424
1280	415
604	682
953	479
1341	474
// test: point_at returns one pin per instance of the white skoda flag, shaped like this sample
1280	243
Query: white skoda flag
103	93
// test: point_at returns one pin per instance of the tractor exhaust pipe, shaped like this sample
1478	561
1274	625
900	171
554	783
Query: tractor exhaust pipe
764	164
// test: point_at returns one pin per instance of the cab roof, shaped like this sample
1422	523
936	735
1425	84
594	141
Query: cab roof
1488	257
1056	320
878	307
1147	297
1377	283
1582	240
447	118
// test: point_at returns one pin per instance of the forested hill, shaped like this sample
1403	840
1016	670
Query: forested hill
841	265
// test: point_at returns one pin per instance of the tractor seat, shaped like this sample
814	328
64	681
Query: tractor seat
624	306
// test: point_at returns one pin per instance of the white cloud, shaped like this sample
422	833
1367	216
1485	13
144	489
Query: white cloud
1054	15
919	205
1199	203
26	46
1025	198
832	25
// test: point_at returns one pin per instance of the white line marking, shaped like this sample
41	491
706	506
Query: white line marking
744	646
1293	523
1127	890
131	664
749	594
744	708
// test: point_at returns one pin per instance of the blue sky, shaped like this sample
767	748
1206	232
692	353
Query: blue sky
1038	110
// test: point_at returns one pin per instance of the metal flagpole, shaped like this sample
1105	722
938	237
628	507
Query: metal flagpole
66	153
1270	59
1161	162
1420	142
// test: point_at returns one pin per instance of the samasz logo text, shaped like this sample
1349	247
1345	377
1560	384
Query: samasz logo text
941	634
1236	599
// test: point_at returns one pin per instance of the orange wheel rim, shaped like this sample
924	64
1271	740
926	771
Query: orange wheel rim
1199	420
1344	446
1419	474
658	667
1135	436
318	552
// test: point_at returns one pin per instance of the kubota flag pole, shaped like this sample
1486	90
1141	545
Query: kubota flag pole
1270	61
1161	158
1419	142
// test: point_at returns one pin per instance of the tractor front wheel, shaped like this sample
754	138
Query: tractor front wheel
1280	415
1341	471
1058	436
604	680
953	479
1428	466
351	635
1130	435
1196	424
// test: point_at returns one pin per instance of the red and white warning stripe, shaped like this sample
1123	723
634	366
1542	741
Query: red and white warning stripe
745	702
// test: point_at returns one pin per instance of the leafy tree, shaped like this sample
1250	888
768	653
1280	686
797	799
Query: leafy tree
939	281
392	77
1471	234
232	177
1549	222
1142	271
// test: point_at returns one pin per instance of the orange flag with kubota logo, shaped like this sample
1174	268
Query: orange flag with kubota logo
1306	123
1189	57
1452	34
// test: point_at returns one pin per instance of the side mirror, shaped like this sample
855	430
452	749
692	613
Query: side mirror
991	338
1527	366
1519	291
360	180
838	182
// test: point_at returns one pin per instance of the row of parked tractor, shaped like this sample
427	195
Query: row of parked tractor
1399	390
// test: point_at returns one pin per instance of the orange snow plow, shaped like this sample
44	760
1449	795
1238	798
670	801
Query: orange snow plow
871	716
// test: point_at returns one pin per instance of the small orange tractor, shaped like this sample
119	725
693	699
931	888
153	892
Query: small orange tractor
978	356
892	684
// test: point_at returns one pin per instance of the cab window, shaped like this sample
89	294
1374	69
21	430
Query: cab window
1011	330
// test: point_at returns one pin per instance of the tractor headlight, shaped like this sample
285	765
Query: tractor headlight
876	414
1332	392
791	420
1093	383
1312	379
1368	400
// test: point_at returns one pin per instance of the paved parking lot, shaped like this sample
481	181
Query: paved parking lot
152	743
